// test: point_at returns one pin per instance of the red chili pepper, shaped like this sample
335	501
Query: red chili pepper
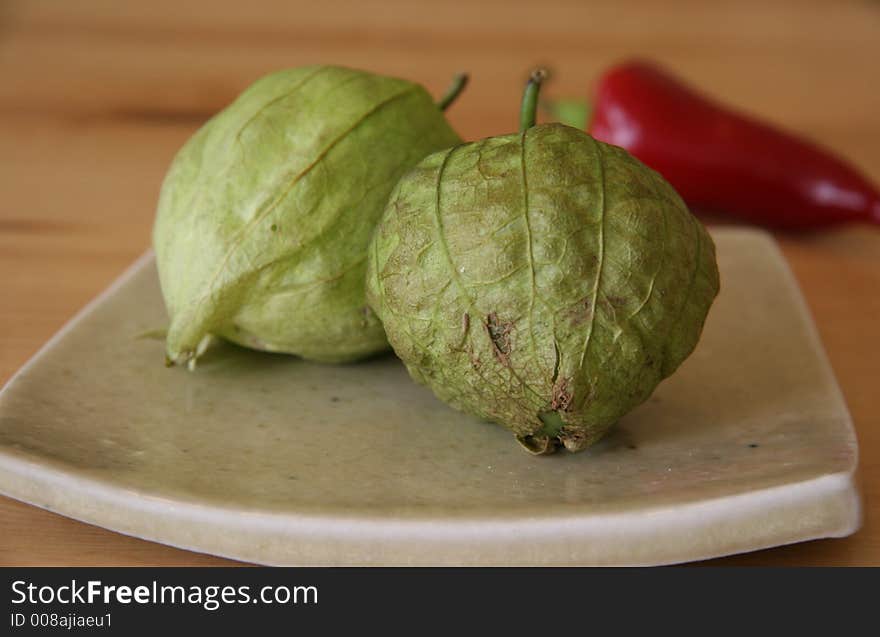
723	161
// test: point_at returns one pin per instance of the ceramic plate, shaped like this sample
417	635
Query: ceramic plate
271	459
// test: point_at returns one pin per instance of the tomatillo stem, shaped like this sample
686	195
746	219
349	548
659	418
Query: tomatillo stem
529	111
454	90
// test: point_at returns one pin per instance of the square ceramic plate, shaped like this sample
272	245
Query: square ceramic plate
271	459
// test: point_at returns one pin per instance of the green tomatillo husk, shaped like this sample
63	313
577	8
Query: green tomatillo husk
266	213
542	280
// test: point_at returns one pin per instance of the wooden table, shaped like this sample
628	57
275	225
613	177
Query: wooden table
97	96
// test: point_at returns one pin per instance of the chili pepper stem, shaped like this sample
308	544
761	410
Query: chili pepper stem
454	90
571	112
529	111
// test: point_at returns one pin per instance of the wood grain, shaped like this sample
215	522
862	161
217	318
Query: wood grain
98	95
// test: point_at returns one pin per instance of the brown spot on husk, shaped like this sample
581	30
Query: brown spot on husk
560	400
499	334
581	312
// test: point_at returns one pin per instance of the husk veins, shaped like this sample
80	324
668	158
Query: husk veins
586	273
266	213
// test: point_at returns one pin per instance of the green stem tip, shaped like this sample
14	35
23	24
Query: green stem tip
454	90
529	111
